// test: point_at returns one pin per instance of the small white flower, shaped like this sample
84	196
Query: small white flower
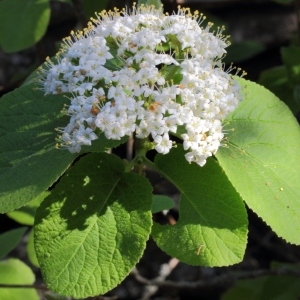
163	144
142	130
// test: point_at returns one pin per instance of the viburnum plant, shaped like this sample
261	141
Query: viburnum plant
157	78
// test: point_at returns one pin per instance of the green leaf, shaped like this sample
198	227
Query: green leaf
92	230
22	23
25	214
250	287
212	225
265	288
161	203
238	52
283	81
276	80
115	63
291	59
29	161
172	73
14	271
92	6
30	249
10	239
263	157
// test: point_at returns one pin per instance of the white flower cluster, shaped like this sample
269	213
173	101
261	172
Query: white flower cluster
145	72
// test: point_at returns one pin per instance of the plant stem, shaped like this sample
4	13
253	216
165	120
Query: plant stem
140	155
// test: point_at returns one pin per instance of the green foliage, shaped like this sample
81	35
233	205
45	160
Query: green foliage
212	225
14	271
92	6
291	59
265	288
161	203
92	229
284	287
284	80
238	52
25	214
10	239
22	23
29	161
30	249
262	159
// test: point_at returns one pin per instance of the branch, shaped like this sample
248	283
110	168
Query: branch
152	285
222	281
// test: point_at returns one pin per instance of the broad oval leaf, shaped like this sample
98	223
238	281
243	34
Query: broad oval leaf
92	230
29	162
212	225
14	271
276	80
22	23
263	157
25	214
10	239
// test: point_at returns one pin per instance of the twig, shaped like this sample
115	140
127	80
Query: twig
222	281
152	285
129	146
